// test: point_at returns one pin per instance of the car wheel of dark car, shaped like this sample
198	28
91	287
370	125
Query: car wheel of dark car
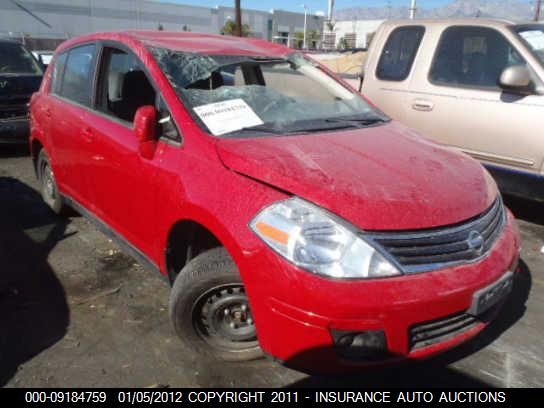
48	183
210	309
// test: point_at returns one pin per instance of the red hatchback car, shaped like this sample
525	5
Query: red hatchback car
289	214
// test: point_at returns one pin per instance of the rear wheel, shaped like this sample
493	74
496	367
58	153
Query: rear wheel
210	309
48	183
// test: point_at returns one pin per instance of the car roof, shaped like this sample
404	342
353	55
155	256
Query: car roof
9	41
446	22
201	43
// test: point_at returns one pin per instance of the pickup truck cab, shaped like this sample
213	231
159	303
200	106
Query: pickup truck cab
290	215
474	84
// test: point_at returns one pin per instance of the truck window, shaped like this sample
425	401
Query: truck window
472	57
399	53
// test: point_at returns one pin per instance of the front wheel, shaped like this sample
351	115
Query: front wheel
210	309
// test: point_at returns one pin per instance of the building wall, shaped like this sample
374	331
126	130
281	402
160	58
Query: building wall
361	28
68	18
287	23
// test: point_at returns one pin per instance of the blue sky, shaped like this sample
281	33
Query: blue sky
313	5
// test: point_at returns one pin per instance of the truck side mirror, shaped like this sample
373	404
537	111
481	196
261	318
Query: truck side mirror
517	79
145	128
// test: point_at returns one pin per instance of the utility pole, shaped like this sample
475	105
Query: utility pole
304	44
238	18
538	10
413	9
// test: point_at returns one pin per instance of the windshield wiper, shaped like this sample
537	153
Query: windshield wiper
260	128
362	122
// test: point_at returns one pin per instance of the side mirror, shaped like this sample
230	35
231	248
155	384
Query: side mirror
517	79
145	127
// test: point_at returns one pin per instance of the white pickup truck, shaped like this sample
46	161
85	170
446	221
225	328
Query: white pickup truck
474	84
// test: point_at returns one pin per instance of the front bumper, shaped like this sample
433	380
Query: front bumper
14	130
297	312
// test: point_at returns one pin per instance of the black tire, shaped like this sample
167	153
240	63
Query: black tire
210	310
48	184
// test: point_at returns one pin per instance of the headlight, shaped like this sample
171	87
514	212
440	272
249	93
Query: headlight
309	237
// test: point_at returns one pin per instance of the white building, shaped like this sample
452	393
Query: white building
356	32
55	20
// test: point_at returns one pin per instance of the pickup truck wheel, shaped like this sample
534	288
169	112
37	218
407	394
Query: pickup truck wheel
210	309
48	184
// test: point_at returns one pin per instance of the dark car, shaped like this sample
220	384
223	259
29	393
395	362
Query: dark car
20	76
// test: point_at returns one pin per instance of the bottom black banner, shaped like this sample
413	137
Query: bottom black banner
173	397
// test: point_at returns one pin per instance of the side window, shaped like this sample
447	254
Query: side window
123	85
472	57
399	53
58	71
78	75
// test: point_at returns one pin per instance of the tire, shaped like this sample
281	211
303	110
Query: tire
48	184
210	309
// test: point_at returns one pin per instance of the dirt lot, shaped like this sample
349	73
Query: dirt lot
74	311
346	63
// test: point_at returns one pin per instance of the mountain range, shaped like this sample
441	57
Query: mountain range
515	10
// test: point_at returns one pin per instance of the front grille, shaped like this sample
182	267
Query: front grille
426	250
17	109
436	331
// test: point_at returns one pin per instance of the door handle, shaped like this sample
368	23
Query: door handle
422	105
87	135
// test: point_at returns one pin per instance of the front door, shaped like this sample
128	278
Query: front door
124	184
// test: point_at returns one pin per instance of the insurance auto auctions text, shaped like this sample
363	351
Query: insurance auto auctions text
347	396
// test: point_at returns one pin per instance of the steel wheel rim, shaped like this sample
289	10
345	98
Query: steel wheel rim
49	183
223	318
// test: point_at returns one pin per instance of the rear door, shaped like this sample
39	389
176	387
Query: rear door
71	97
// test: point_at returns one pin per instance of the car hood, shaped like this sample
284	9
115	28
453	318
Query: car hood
16	86
378	178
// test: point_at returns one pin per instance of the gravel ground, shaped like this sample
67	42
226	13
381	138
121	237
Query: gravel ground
76	312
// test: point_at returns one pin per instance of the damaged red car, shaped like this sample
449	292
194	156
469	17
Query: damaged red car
290	215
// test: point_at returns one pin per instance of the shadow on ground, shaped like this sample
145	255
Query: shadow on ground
434	372
14	150
33	310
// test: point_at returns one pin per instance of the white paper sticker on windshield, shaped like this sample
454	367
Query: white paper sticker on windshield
535	38
227	116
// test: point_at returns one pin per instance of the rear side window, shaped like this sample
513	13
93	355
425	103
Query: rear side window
472	57
76	83
58	71
399	53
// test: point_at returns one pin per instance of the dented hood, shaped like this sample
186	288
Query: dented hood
377	178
